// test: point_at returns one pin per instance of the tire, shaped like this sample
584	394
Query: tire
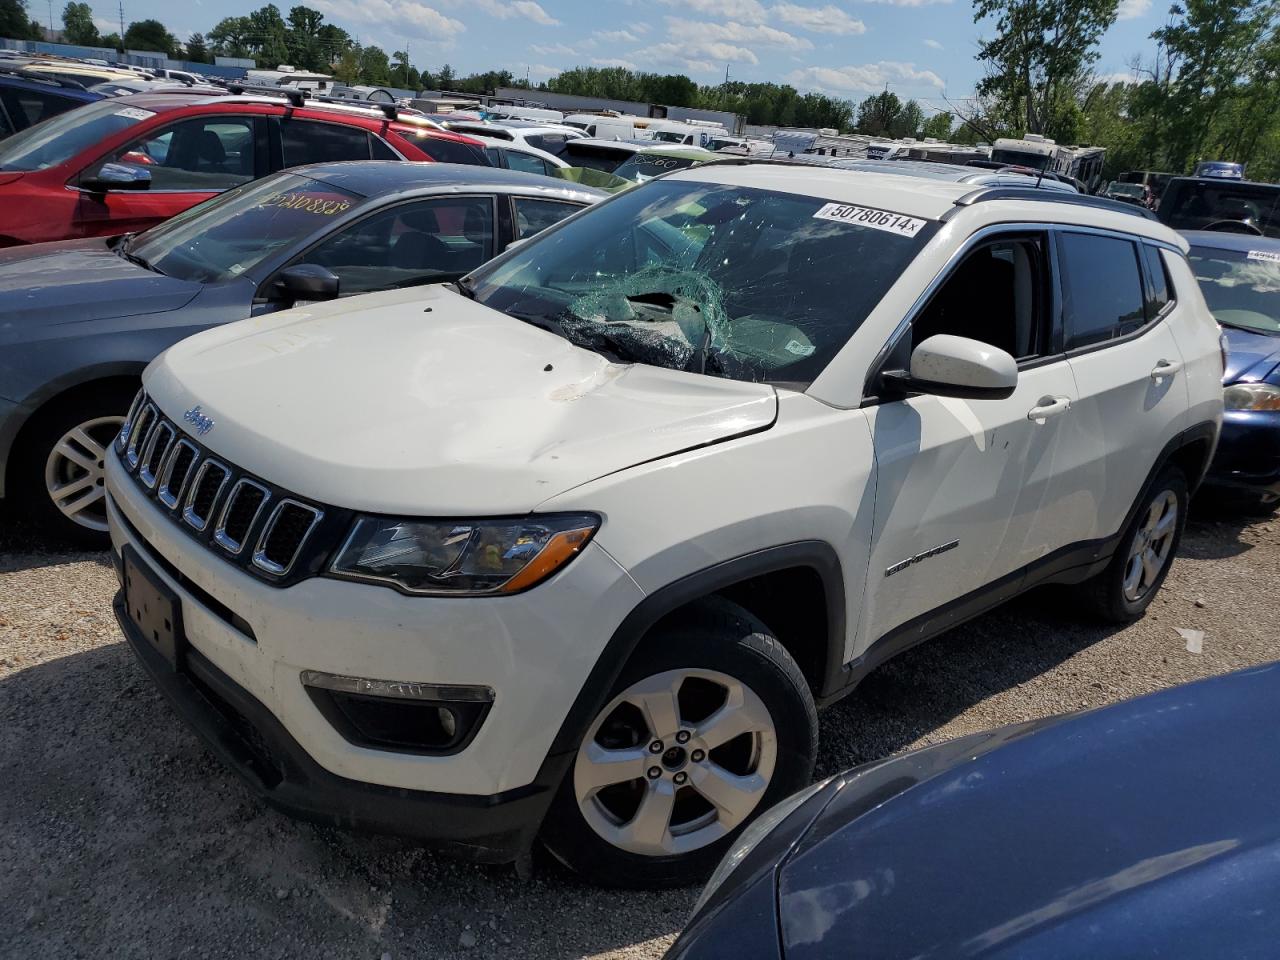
715	662
63	448
1115	595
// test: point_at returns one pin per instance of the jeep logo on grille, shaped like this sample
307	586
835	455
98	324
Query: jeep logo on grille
198	420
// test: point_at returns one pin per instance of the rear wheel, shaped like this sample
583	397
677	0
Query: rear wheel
708	726
60	472
1124	590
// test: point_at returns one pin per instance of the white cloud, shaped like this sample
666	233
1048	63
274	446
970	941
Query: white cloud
749	10
933	44
734	32
863	78
617	36
638	26
507	9
1131	9
543	70
695	56
826	19
554	50
1121	76
415	19
908	3
613	62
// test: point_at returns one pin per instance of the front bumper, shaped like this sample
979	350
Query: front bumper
1247	463
246	737
251	642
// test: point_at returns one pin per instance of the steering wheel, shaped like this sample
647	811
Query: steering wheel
1233	226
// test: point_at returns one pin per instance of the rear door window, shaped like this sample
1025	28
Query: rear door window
525	162
1102	288
311	141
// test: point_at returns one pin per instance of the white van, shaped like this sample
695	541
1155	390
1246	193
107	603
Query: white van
689	134
603	127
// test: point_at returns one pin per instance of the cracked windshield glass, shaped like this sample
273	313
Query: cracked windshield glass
739	283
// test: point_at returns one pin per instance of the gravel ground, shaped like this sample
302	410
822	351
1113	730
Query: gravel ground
121	836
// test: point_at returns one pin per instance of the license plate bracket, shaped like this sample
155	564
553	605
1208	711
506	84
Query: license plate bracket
153	608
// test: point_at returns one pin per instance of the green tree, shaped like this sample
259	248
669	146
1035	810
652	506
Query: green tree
1039	60
197	51
877	113
229	36
347	69
375	67
78	26
16	24
445	77
150	35
939	126
112	41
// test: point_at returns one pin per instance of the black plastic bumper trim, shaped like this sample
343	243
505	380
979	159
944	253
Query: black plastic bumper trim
248	738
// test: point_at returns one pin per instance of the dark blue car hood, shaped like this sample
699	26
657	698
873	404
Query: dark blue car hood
1250	356
76	281
1151	828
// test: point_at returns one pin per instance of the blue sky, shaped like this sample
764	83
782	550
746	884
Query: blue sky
849	48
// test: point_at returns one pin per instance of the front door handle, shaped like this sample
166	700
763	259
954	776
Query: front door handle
1049	407
1165	368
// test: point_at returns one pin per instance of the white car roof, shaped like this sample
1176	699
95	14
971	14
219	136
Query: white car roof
923	197
515	146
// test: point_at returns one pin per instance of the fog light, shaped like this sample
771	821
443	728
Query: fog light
400	716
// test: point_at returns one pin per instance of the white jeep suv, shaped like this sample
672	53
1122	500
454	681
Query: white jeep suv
569	552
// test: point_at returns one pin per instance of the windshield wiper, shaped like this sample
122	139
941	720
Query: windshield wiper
598	341
122	249
466	287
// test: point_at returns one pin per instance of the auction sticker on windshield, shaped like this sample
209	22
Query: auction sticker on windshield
1270	256
870	217
135	113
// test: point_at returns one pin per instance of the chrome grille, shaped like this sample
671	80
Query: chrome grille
283	536
211	477
154	448
220	505
145	420
176	472
239	513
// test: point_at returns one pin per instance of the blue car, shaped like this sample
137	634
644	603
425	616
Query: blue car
26	100
1240	277
1144	829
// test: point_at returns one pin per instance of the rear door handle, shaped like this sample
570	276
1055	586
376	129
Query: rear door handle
1049	407
1165	368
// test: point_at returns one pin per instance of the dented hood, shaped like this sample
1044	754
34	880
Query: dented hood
422	402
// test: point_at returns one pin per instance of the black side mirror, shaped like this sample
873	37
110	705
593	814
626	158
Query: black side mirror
306	281
118	176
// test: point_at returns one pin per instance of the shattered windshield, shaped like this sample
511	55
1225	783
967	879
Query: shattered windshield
724	280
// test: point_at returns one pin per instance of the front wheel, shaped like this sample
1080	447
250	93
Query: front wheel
1124	590
60	472
710	724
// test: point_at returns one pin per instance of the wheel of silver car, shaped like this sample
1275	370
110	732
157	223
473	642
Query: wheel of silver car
675	762
75	472
1151	546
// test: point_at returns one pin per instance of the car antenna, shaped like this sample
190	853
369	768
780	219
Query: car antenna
1039	178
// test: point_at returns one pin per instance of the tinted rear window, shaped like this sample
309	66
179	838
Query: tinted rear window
59	139
1102	286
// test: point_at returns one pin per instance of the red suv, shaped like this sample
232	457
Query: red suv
123	164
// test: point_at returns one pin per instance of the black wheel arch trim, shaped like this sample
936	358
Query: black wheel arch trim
817	555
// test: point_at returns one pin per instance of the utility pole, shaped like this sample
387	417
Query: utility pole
50	20
121	26
406	64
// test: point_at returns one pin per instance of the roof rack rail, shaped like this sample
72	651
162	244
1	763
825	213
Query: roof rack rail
984	194
41	78
296	97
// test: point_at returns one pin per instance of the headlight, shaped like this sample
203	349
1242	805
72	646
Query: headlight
751	838
462	557
1252	396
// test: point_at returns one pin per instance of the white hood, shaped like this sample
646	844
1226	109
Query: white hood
380	404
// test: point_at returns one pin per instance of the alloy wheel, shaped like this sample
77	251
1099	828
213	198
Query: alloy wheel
675	762
75	472
1151	547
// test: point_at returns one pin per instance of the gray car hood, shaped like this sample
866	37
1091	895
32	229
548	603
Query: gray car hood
76	281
